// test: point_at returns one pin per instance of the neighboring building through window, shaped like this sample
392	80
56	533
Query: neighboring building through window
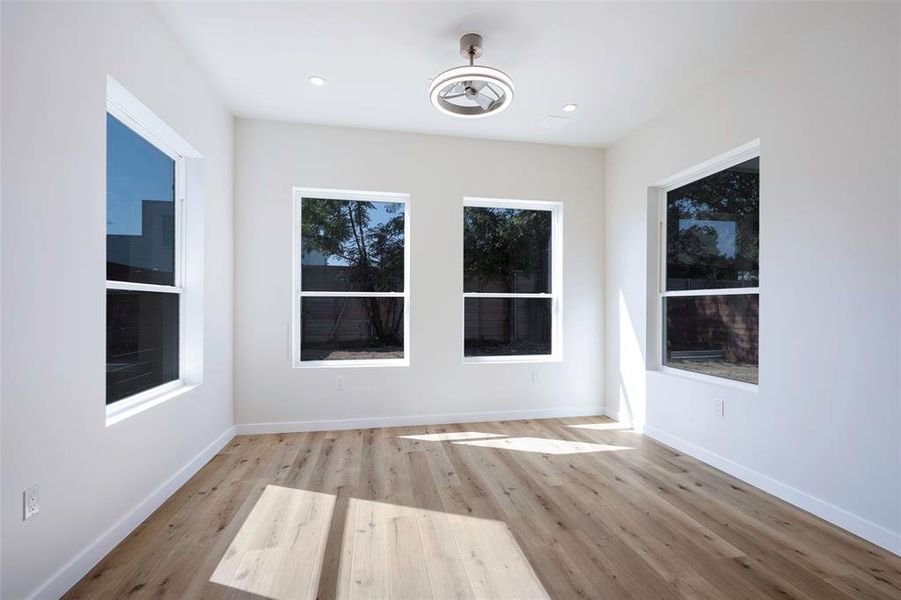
710	298
144	286
351	298
511	280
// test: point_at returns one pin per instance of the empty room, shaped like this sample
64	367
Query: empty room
450	300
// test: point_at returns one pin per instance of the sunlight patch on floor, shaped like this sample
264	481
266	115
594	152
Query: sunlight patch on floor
450	436
277	553
394	551
544	446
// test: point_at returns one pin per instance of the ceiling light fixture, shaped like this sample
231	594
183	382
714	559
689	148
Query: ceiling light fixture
317	80
471	91
570	107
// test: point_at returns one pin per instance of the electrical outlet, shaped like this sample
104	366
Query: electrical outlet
536	376
31	501
339	383
719	407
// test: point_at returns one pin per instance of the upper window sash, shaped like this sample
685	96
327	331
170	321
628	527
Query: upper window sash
301	194
742	154
538	278
158	142
556	243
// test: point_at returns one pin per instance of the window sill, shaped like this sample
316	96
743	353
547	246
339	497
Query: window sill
133	405
351	363
708	379
534	358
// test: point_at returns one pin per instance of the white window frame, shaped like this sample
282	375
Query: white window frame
556	295
729	159
137	117
299	193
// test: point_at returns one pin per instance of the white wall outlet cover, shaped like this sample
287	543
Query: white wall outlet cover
31	501
339	383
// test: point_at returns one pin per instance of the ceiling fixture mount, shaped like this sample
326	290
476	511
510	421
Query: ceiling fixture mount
317	80
471	91
570	107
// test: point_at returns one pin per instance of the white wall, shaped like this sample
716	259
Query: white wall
823	429
56	58
437	171
1	295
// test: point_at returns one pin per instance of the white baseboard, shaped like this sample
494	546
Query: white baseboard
76	568
412	420
859	526
618	416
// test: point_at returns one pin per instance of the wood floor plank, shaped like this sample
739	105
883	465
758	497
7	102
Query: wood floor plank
365	570
559	508
442	557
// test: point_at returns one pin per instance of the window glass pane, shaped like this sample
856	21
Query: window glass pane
351	328
141	341
507	326
140	208
712	230
506	250
716	335
352	246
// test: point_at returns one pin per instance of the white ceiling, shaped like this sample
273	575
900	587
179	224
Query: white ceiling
622	63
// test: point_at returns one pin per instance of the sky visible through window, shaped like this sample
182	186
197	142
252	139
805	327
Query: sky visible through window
379	214
136	171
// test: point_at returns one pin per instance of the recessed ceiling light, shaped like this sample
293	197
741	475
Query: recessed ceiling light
570	107
317	80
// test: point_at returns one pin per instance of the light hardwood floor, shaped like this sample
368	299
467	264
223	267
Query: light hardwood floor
557	508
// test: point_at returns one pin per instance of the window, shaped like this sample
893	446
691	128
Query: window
511	280
351	298
143	261
710	277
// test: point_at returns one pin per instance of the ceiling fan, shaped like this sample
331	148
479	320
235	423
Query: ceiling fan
471	91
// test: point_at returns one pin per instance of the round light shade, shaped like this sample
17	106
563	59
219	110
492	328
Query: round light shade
471	91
